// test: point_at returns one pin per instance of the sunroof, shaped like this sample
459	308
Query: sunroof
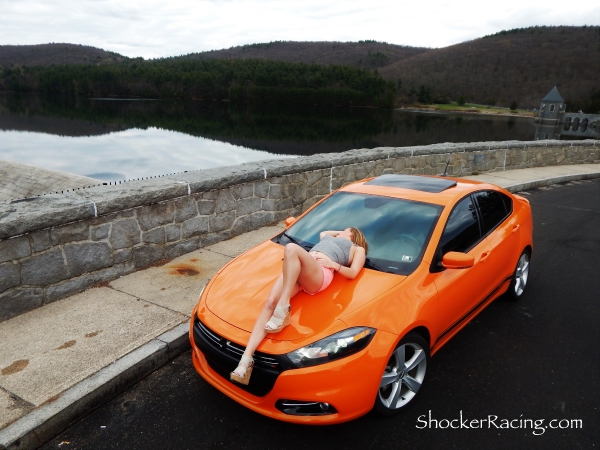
425	184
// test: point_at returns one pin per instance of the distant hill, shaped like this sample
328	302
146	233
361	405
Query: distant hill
362	54
521	65
48	54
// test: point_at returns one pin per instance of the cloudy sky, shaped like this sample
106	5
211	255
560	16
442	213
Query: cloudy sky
156	28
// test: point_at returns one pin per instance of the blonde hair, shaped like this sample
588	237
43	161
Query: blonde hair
359	239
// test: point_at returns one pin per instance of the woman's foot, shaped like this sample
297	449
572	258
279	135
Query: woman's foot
279	320
242	372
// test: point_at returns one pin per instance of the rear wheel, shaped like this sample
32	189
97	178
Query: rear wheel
404	375
520	277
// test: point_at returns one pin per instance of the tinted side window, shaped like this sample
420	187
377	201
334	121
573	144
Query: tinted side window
492	209
462	228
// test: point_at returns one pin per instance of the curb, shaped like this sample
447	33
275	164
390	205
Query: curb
517	187
45	422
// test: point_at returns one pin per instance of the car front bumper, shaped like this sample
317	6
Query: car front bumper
349	384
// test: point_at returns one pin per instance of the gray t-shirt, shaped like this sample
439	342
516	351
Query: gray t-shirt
337	248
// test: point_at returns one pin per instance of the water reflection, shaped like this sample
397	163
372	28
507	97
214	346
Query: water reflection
115	140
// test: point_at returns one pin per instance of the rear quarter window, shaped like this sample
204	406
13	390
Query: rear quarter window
493	207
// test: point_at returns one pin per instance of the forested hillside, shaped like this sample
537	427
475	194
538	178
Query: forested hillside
520	65
362	54
249	80
48	54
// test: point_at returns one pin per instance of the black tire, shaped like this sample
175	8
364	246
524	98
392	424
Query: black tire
394	395
518	283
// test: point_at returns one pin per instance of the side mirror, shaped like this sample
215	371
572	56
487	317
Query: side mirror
456	260
289	221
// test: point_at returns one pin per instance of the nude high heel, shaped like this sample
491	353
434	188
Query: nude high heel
279	320
242	372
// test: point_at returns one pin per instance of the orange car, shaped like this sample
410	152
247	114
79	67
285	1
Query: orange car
440	250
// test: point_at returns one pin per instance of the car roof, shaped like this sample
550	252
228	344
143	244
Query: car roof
418	187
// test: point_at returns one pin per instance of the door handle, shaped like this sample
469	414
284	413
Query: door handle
515	228
485	256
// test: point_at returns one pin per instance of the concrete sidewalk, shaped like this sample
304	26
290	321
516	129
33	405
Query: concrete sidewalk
63	359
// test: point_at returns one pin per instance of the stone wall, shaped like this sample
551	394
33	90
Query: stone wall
56	245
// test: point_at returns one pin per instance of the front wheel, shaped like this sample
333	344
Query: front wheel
404	375
520	277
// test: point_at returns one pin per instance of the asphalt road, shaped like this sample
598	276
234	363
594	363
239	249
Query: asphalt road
534	360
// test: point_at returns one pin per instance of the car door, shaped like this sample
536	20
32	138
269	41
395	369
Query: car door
499	229
460	290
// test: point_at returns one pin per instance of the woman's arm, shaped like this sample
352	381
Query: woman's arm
329	233
358	262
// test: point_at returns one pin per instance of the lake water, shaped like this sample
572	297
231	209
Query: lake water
114	140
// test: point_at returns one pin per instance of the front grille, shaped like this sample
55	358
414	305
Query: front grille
223	356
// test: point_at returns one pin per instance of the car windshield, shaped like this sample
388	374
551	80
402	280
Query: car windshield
396	230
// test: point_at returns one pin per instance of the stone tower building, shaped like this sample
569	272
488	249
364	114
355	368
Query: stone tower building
552	107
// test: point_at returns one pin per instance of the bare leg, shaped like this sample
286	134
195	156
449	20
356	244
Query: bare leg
299	267
259	332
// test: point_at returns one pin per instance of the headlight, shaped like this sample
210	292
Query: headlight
336	346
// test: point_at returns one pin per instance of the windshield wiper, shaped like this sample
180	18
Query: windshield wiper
369	264
292	239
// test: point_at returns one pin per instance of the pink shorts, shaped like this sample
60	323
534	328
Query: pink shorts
327	278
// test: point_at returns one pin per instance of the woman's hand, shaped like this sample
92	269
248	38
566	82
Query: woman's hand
326	262
332	233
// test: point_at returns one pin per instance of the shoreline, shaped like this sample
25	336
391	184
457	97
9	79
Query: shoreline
478	113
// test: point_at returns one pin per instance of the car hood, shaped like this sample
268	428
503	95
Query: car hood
238	293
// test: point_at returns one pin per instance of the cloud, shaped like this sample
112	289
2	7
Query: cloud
157	28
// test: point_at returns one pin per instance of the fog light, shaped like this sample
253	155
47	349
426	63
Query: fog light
304	408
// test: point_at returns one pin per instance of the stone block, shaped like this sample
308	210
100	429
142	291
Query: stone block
247	206
73	232
19	300
279	191
36	213
220	178
298	193
277	168
122	255
146	255
221	222
133	194
87	257
194	227
100	232
15	248
185	208
124	234
276	205
41	240
112	217
210	195
213	238
225	202
315	176
242	191
10	276
207	207
252	222
181	248
261	189
173	232
85	281
44	269
156	215
324	186
156	236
